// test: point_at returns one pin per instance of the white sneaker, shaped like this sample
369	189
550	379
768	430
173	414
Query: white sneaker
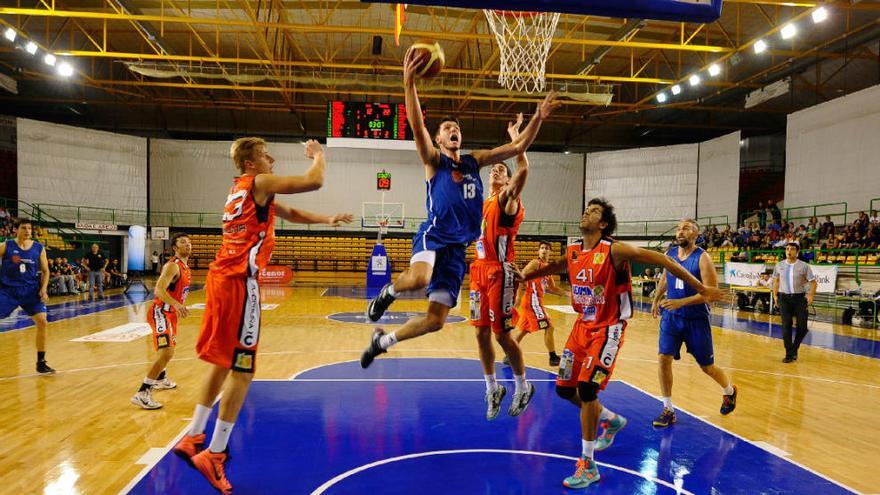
493	401
521	400
144	399
165	384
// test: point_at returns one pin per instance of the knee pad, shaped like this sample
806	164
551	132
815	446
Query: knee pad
566	393
588	391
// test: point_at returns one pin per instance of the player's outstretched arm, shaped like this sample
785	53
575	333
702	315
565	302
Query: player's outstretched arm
313	179
425	147
621	251
710	279
517	183
526	137
170	273
552	268
303	216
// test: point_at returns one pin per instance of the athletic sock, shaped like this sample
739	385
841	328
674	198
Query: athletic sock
199	420
41	356
607	414
667	402
491	383
147	384
161	376
520	381
728	390
388	340
220	439
391	292
587	447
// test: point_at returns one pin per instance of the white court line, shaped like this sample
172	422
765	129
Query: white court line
805	468
151	456
329	483
772	449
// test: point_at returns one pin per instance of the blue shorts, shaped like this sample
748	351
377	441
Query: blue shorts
696	333
26	297
449	264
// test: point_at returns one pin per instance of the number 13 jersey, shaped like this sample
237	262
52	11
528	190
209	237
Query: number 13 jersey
601	294
248	232
454	202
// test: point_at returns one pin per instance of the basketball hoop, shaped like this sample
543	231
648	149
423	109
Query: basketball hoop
524	42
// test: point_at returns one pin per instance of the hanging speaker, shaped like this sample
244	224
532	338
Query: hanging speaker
377	45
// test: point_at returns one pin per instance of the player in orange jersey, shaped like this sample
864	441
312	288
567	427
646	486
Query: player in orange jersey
170	303
601	293
230	330
492	288
531	315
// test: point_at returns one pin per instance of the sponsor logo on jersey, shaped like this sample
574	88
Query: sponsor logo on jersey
599	258
587	296
243	360
457	176
162	341
599	376
16	259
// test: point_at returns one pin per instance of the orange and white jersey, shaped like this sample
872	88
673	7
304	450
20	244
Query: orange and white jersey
179	289
248	232
535	288
601	294
498	232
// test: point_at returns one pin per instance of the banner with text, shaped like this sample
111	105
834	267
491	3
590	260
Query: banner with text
745	274
826	277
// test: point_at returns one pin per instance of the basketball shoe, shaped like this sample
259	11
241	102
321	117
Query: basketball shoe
610	428
493	400
380	304
372	350
586	473
144	399
212	465
729	403
666	418
521	400
166	384
189	446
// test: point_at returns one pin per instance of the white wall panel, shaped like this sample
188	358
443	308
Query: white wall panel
718	190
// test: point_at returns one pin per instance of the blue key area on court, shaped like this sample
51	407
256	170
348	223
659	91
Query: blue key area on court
74	308
408	426
389	318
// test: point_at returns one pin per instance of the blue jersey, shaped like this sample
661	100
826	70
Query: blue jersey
19	268
678	289
455	202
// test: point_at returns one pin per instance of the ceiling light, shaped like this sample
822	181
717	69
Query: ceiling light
65	69
819	15
661	98
760	46
31	47
676	89
694	80
49	59
10	34
788	31
567	152
714	70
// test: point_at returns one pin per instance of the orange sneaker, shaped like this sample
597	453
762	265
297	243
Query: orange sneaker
213	468
189	446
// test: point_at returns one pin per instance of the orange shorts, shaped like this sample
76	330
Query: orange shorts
493	292
230	328
531	315
164	325
590	354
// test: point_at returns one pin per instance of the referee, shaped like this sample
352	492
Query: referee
794	286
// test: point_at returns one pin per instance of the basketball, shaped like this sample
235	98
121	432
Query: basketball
436	58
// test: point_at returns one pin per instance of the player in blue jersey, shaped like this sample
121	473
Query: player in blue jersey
455	212
22	258
686	320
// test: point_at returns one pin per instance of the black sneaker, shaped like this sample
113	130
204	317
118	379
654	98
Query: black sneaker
787	359
554	360
379	304
372	350
44	369
729	403
666	418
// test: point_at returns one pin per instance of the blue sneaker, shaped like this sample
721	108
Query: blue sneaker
585	475
610	427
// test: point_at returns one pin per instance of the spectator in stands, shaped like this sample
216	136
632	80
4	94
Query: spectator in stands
59	278
4	217
874	237
762	215
117	278
154	260
827	227
875	218
96	263
775	214
862	222
763	297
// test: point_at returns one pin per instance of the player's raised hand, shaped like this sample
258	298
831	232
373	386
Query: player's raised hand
411	64
339	218
513	127
546	107
312	148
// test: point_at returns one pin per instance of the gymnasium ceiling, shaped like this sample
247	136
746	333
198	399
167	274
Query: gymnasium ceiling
222	68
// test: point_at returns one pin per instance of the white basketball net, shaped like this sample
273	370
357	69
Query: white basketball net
524	41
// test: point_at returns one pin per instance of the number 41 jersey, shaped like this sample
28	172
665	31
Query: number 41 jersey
248	232
601	294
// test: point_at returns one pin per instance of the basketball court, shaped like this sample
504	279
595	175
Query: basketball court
671	109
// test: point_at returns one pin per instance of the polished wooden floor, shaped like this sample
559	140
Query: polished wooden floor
76	432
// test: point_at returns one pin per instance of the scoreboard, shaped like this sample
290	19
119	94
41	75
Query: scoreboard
346	119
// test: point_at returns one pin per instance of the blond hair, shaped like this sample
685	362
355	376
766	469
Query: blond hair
243	149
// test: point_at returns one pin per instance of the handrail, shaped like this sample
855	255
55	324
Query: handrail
789	217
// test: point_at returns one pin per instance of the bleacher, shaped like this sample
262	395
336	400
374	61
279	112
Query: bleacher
334	253
825	257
